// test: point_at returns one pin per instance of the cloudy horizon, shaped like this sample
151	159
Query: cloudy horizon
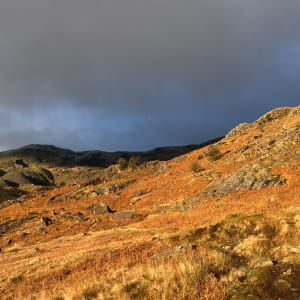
135	75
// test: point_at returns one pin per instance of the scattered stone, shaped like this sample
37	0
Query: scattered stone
36	249
135	200
227	248
242	273
267	263
141	193
34	261
79	216
40	230
93	194
113	188
295	250
95	222
9	242
288	272
273	198
100	208
45	221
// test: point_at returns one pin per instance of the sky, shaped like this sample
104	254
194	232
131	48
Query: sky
135	75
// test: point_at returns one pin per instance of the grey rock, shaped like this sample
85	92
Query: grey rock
141	193
113	188
79	216
249	177
100	208
242	273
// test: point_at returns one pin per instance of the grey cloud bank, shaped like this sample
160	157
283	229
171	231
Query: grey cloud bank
129	74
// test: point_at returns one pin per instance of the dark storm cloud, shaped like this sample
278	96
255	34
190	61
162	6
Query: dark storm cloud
137	74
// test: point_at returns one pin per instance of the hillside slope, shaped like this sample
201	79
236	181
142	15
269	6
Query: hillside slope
216	223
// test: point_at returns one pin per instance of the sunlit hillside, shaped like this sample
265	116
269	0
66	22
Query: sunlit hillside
220	222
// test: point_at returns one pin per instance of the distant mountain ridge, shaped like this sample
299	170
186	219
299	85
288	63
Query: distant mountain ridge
56	156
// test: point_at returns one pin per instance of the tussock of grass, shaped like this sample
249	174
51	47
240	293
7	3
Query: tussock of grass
185	276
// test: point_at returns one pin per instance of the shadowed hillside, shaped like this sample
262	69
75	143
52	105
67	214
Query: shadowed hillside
54	156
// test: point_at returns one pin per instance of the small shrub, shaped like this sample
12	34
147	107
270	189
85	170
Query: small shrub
136	289
16	279
122	163
200	156
63	183
214	153
195	167
134	161
90	293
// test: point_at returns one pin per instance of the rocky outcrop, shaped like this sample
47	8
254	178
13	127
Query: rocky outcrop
249	177
278	113
272	116
240	129
113	188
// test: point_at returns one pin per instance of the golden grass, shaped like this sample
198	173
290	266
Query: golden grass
186	276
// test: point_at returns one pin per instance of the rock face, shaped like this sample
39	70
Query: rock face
249	177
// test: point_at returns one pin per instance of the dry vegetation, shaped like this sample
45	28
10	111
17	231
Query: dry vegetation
220	222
